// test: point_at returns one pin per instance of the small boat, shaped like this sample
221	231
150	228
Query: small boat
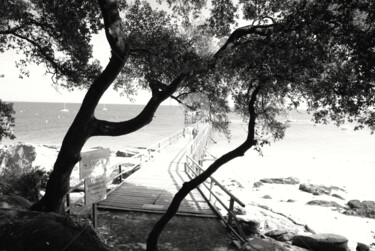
64	109
104	108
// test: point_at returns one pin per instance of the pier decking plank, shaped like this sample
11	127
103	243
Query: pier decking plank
152	188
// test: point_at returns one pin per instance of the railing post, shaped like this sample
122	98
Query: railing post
94	215
68	203
211	185
119	171
231	207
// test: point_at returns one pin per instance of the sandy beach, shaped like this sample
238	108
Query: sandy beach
314	154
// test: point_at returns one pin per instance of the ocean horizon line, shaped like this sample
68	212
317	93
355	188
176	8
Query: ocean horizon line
77	103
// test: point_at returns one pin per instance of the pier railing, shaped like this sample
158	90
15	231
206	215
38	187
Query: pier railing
131	165
193	168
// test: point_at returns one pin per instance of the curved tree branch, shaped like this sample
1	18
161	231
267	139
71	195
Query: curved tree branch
107	128
187	187
42	51
262	30
84	122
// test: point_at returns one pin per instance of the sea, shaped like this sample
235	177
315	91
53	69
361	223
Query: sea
47	124
324	154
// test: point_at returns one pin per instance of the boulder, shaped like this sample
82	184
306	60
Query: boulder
258	184
368	204
28	230
315	189
324	203
362	247
263	220
354	204
238	210
364	209
280	235
288	180
124	154
321	242
250	227
338	196
233	183
257	244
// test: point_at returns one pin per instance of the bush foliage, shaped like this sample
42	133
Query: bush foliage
27	185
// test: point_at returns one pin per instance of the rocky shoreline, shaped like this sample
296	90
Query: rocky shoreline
268	226
280	212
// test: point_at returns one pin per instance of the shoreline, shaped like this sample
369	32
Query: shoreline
281	160
327	156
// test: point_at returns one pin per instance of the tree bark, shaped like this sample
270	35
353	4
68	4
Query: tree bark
85	125
187	187
84	122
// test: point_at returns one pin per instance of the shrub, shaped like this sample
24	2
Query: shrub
27	185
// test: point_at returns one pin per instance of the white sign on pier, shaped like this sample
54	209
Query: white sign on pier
95	189
93	163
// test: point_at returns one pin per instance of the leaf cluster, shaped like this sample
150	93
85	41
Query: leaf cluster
56	33
6	120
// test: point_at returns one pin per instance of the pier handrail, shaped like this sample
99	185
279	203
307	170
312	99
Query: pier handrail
142	156
194	168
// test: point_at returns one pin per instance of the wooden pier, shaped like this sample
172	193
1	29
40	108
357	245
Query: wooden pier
152	188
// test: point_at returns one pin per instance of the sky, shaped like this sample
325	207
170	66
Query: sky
38	86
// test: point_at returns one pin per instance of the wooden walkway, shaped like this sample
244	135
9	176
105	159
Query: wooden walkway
152	188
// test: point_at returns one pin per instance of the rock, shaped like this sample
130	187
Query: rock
308	229
268	220
239	210
250	227
321	242
266	197
258	184
338	196
368	204
124	154
289	180
28	230
353	204
324	203
280	235
257	244
235	183
17	159
362	247
364	209
14	202
315	189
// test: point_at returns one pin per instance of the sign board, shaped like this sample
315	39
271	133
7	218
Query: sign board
93	163
95	189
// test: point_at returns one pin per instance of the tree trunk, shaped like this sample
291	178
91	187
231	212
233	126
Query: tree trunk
187	187
84	123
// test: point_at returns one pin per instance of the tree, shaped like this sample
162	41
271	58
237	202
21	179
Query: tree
287	52
321	52
6	120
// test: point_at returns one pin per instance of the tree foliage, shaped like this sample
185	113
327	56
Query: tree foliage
6	120
269	56
54	33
